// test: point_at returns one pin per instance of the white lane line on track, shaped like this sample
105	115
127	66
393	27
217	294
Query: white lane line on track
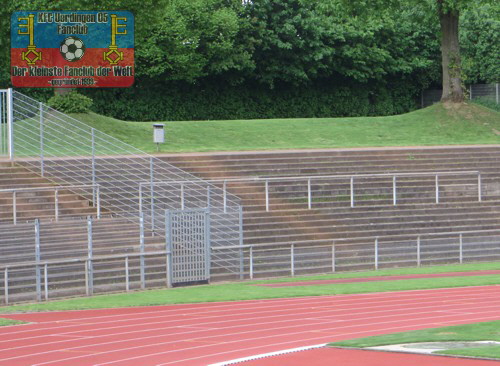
301	333
264	320
315	339
264	323
270	354
461	295
253	310
220	306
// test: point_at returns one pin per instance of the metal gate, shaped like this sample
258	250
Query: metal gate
188	242
4	149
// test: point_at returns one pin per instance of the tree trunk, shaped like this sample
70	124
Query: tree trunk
450	52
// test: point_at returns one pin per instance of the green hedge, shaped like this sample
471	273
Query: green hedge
179	102
71	102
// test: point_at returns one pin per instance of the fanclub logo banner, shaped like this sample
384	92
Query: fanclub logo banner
72	49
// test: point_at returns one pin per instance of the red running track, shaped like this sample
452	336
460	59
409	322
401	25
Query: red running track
200	334
348	357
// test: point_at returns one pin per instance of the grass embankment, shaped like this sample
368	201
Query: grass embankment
5	322
437	125
247	290
487	331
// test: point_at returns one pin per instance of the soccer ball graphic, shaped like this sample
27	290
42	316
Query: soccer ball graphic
72	49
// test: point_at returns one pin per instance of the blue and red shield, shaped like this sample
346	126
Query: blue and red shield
72	49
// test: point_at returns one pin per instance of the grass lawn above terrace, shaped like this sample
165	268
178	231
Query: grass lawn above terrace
437	125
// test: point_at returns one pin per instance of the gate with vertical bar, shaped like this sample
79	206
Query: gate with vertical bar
187	235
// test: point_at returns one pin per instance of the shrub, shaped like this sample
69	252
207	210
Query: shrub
71	102
177	102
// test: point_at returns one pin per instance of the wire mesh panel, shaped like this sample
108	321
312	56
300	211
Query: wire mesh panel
355	255
485	92
477	247
66	151
188	238
398	253
440	250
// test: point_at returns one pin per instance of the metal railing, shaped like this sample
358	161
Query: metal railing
368	253
16	191
90	240
139	267
43	281
67	151
182	186
30	251
56	139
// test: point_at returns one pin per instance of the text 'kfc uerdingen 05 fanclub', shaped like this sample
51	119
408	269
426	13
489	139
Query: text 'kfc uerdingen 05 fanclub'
72	49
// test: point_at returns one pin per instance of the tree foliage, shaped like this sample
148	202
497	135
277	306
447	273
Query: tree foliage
448	14
202	46
480	40
194	39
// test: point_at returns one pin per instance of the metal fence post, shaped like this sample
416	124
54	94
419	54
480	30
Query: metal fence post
140	199
376	253
333	256
168	247
224	193
267	194
394	194
14	207
88	263
10	123
141	251
41	139
418	251
127	280
6	285
251	262
38	279
87	289
208	252
479	187
240	224
98	192
352	191
437	188
151	182
46	281
292	260
461	248
182	196
470	92
56	204
309	194
497	92
92	131
208	196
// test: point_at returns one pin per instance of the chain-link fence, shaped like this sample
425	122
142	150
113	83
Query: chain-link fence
484	92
